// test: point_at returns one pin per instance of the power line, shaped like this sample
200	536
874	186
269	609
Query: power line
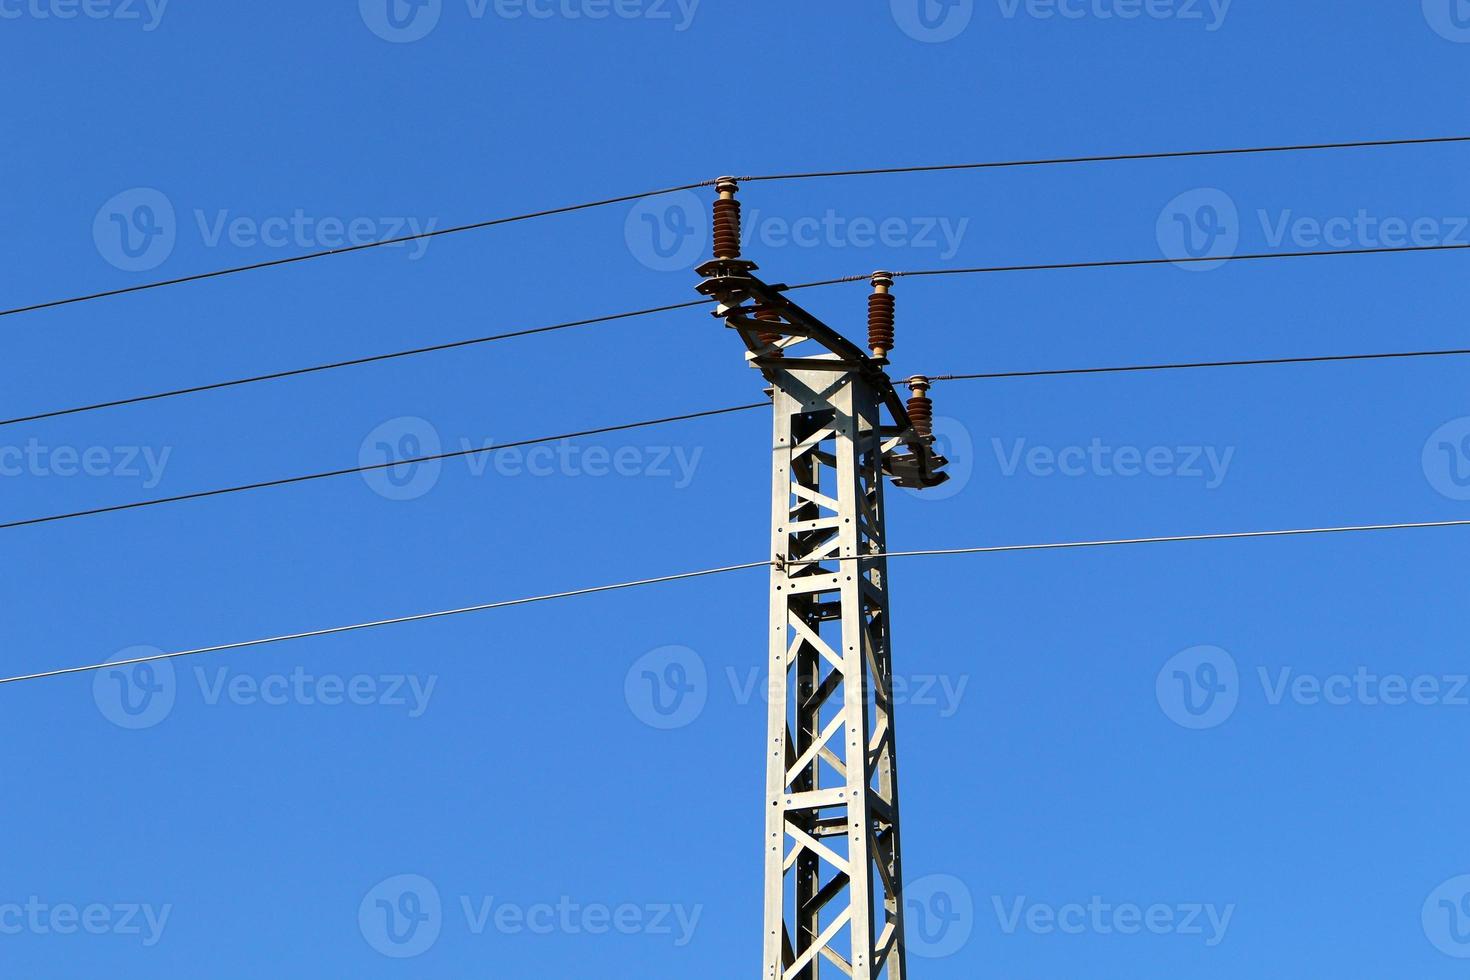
198	495
402	240
1123	263
682	576
296	372
1127	263
1116	263
1321	359
1110	158
490	223
1229	536
387	622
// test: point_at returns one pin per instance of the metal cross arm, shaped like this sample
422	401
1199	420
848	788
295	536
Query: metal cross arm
771	325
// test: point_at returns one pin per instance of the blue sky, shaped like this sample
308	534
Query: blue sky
1071	807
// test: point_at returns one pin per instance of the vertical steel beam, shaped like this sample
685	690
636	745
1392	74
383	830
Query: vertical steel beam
833	889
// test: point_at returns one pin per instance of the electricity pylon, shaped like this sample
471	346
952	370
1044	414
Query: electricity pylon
833	868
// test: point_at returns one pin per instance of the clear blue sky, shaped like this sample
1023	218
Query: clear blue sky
516	761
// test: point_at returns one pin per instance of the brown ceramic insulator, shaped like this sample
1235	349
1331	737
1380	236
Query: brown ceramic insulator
880	322
727	228
769	337
921	415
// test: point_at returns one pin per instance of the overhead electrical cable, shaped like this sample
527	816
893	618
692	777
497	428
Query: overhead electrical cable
353	362
286	481
683	576
1195	365
453	345
492	222
420	617
400	240
1107	158
1187	260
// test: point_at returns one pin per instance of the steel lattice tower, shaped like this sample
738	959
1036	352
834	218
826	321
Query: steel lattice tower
833	867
